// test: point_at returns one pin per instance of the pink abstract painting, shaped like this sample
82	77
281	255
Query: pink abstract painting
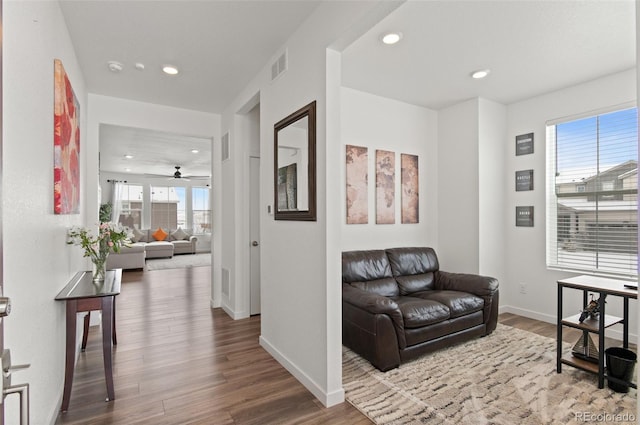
66	145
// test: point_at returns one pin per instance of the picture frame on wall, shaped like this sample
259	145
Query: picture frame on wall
524	180
524	216
524	144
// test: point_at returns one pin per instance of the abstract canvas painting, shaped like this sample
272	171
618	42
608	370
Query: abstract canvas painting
357	184
66	145
385	187
409	183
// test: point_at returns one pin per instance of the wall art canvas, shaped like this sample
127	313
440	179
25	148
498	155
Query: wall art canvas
409	184
385	187
357	161
524	216
524	144
66	145
524	180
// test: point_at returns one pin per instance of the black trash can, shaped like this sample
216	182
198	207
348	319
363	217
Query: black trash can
620	363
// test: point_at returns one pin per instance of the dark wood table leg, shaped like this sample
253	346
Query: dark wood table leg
70	353
115	339
85	332
107	335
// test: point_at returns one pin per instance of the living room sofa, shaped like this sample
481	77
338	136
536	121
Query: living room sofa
397	305
145	245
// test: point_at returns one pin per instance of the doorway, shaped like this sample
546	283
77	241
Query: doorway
254	233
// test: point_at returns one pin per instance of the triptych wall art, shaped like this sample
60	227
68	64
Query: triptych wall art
66	145
357	181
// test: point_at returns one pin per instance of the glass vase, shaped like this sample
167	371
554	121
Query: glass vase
99	268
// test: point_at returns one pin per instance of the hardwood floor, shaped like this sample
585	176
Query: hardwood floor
180	362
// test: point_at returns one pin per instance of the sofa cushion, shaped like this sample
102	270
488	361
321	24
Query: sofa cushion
415	283
412	261
138	235
160	234
458	303
386	287
179	235
363	266
417	312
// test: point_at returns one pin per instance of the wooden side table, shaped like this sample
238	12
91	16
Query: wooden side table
82	294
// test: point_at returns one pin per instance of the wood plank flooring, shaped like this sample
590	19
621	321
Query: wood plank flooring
180	362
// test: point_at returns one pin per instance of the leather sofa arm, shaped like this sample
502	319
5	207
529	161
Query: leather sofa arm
370	302
483	286
472	283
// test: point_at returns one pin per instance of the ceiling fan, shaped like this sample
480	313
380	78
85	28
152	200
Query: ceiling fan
178	175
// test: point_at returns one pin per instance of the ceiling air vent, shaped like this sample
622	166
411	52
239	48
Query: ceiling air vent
225	147
279	66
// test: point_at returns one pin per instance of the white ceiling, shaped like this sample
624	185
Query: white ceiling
154	152
531	47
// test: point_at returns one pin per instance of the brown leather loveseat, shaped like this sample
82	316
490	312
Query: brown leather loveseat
398	305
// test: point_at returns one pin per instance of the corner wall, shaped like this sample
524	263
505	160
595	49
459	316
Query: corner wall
379	123
37	261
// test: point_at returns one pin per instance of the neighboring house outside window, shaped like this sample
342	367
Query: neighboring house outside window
592	194
131	206
168	207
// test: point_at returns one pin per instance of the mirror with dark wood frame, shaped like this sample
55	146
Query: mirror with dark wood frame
295	165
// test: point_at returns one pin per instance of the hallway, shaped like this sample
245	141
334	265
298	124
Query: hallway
180	362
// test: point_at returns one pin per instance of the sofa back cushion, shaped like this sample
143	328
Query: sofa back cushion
413	268
369	271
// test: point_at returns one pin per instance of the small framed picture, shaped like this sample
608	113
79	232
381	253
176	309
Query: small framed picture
524	180
524	144
524	216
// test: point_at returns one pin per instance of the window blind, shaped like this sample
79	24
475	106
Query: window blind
592	193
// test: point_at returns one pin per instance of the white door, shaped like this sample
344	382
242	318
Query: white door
254	232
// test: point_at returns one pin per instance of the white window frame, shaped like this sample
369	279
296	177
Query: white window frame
552	199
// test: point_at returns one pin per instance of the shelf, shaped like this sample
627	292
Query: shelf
569	359
589	324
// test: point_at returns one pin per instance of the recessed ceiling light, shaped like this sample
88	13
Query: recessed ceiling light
391	37
115	66
128	156
170	69
139	66
127	169
479	74
194	151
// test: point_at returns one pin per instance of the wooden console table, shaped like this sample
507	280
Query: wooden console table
82	294
603	287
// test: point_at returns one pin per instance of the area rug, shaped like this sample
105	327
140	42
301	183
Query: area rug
179	261
506	378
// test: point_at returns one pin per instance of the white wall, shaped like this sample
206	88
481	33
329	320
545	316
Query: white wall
492	121
300	305
379	123
37	261
458	187
525	259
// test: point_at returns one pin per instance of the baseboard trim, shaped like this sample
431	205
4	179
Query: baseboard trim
327	399
611	333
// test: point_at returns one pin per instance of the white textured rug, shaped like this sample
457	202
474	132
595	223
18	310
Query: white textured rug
179	261
508	377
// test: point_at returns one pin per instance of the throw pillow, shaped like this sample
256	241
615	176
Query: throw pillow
180	234
159	234
138	236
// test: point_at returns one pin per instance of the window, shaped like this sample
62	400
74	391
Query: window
592	193
168	207
201	210
131	206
